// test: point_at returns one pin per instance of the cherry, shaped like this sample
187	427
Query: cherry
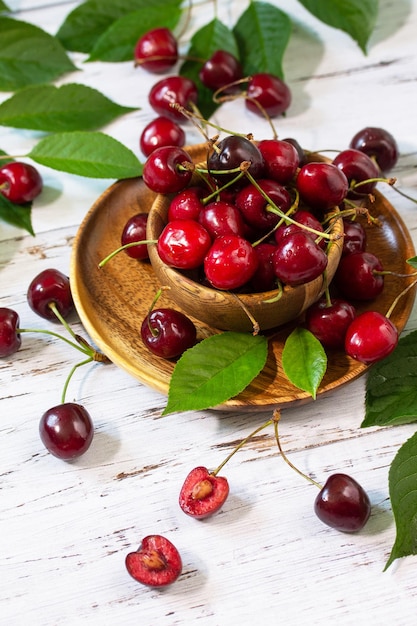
268	91
357	167
300	151
370	337
358	276
304	219
228	155
173	90
135	230
20	182
162	131
378	144
281	159
66	430
168	333
203	493
343	504
329	321
230	263
322	185
298	259
220	70
156	51
222	218
50	287
354	237
264	278
186	204
183	244
255	208
166	171
10	339
156	563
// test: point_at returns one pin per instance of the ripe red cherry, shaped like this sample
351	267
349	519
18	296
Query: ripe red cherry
156	563
378	144
270	92
162	131
222	218
358	276
343	504
281	159
303	219
230	152
298	259
354	237
183	244
156	51
173	90
186	204
370	337
220	70
357	167
329	322
168	333
50	287
203	493
255	208
20	182
66	430
322	185
230	263
163	172
10	340
135	230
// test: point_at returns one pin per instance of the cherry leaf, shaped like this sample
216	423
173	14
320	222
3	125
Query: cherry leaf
413	262
403	494
270	29
3	7
46	61
304	360
91	154
357	18
391	386
16	214
51	108
215	370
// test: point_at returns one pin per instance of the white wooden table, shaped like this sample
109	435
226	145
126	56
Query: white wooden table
65	528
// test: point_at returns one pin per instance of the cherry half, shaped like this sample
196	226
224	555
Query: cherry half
343	504
156	563
203	493
66	430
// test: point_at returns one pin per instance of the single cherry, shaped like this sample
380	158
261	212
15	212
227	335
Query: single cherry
156	563
298	259
183	244
167	169
167	333
170	91
270	92
186	204
358	276
354	237
221	69
378	144
222	218
10	339
156	51
135	230
358	167
162	131
256	209
322	185
50	287
343	504
281	159
20	182
370	337
66	430
203	493
230	263
329	321
229	154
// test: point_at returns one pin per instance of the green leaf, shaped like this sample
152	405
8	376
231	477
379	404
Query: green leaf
304	360
29	55
50	108
262	33
403	494
357	18
215	370
391	386
16	214
211	37
91	154
118	42
4	8
413	262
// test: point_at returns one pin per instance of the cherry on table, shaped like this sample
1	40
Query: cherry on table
171	91
329	321
270	92
156	563
66	430
50	286
156	51
221	69
20	182
183	244
370	337
203	493
343	504
167	169
162	131
377	143
167	333
135	230
358	276
230	263
10	340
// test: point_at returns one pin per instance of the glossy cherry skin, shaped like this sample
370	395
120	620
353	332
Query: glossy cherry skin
255	208
378	144
168	333
222	218
230	152
156	563
66	430
20	182
264	278
135	230
281	159
329	322
370	337
50	286
186	204
163	172
322	185
162	131
357	167
304	219
354	237
203	493
270	92
298	259
343	504
357	276
156	51
220	70
183	244
230	263
173	90
10	340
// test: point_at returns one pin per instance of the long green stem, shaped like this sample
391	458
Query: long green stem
73	369
42	331
132	244
240	445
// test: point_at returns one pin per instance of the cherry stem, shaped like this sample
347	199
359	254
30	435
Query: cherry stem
293	208
70	375
158	294
255	324
279	294
275	420
131	244
58	336
397	299
405	195
389	181
196	118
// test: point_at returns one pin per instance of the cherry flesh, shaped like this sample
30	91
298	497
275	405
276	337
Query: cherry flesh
164	171
167	333
358	276
66	430
156	563
222	218
228	155
378	144
357	167
162	131
298	259
50	287
270	92
343	504
173	90
156	51
322	186
20	182
183	244
203	493
10	340
220	70
255	208
135	230
370	337
329	321
281	159
230	263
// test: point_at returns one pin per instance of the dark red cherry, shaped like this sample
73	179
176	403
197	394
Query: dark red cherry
186	204
298	259
370	337
357	167
329	322
358	276
166	169
304	220
50	287
322	185
264	278
20	182
66	430
162	131
300	151
10	340
173	90
230	263
220	70
203	493
168	333
281	159
354	237
343	504
255	208
156	51
135	230
270	92
183	244
222	218
230	152
378	144
156	563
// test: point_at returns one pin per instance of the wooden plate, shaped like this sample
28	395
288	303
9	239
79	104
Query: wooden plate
113	301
